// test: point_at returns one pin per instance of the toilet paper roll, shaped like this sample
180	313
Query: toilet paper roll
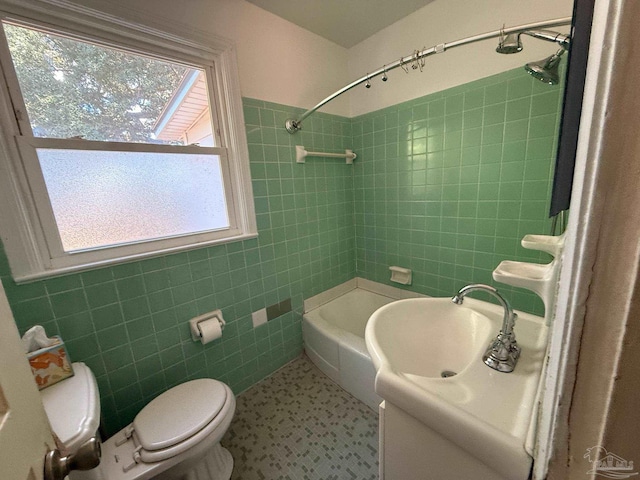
210	330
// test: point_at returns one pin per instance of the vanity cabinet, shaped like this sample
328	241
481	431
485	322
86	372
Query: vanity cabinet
410	450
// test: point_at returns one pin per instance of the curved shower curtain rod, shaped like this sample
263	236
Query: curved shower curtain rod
293	125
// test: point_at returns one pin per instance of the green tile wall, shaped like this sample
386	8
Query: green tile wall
129	322
446	185
449	183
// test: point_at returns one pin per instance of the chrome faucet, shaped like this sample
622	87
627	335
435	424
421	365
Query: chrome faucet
503	351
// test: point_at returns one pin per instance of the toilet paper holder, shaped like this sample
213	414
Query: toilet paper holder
193	323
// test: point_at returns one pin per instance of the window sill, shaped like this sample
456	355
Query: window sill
56	272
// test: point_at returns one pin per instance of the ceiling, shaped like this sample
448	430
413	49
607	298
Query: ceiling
345	22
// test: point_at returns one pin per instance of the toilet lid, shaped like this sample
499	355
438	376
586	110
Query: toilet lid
73	407
179	413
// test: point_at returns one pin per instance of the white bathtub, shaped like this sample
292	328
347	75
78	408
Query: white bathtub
333	331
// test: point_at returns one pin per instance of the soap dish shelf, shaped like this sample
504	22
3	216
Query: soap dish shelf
544	243
541	279
532	276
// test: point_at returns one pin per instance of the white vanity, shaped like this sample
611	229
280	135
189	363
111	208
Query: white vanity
447	415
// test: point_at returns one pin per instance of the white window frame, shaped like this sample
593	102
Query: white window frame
27	224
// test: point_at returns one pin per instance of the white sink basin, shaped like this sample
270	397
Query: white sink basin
416	343
428	336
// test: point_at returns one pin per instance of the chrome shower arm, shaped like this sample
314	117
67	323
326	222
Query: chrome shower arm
293	125
563	40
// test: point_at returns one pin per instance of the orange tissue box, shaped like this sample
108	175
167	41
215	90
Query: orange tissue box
50	364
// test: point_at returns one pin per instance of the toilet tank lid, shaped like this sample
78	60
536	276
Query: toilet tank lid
179	413
73	407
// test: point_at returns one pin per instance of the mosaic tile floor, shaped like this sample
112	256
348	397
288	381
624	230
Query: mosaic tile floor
299	425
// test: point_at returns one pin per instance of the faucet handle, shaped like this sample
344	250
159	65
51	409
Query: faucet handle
503	353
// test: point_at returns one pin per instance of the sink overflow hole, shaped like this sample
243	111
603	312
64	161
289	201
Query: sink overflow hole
447	374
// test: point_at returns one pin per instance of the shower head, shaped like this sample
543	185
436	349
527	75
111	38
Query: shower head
509	44
546	70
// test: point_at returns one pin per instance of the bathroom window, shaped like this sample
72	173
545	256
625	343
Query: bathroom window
126	143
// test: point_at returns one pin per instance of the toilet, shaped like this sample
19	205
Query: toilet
175	437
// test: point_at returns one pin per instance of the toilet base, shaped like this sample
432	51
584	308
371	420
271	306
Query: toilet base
217	464
210	463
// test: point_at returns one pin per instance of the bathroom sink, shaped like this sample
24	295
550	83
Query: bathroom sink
428	357
428	337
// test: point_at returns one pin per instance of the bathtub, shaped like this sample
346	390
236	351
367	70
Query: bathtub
333	332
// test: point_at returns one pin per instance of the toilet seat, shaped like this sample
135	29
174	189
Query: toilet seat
179	413
178	419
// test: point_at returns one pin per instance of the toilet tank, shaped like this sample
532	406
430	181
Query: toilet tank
73	407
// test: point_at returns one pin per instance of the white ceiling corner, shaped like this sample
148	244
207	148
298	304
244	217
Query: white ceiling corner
345	22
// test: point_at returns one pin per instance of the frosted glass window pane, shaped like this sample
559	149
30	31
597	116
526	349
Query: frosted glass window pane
102	198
